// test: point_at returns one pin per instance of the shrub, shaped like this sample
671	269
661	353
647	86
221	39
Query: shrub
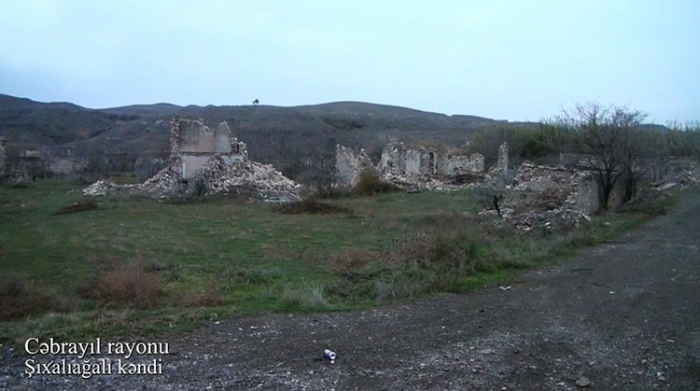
310	206
132	286
370	183
20	297
77	208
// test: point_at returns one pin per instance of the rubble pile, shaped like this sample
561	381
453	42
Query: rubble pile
548	197
207	162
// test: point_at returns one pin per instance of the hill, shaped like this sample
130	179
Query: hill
284	136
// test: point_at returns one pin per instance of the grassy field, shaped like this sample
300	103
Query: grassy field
138	267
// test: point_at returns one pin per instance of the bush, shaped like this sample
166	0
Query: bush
132	286
77	208
19	297
370	183
310	206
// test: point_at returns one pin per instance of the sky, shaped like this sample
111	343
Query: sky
514	60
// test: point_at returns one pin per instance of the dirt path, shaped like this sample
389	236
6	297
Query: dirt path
625	315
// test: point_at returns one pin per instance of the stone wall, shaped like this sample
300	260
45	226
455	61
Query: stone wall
421	161
350	165
501	167
192	144
65	165
545	188
462	164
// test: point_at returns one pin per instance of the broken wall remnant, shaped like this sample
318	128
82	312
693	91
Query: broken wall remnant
414	162
463	164
192	144
3	157
545	187
349	165
501	166
209	161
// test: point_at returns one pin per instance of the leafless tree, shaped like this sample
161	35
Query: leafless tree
610	141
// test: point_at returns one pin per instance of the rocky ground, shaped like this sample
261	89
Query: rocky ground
625	315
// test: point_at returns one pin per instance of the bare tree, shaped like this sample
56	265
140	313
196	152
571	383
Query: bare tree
610	141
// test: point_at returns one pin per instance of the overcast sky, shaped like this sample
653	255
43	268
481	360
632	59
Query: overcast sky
515	60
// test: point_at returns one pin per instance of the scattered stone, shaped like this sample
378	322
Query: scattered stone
583	382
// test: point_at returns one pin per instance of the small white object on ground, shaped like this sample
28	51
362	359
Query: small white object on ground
329	354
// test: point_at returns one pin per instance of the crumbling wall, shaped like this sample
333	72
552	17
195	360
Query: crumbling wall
392	161
350	165
544	187
192	144
463	164
501	166
65	165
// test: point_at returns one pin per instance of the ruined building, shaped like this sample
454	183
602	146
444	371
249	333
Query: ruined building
400	160
192	144
208	162
350	165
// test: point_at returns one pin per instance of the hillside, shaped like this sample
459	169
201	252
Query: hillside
143	128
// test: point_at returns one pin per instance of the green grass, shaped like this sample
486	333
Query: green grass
260	259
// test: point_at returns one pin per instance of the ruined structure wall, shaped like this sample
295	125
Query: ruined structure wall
458	165
196	138
222	138
350	165
190	164
413	164
587	197
577	190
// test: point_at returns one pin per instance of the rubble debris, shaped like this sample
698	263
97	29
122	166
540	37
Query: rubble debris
583	382
424	167
548	197
207	162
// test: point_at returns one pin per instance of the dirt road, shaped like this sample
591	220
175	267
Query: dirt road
624	315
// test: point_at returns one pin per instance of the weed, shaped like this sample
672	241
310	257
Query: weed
305	295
